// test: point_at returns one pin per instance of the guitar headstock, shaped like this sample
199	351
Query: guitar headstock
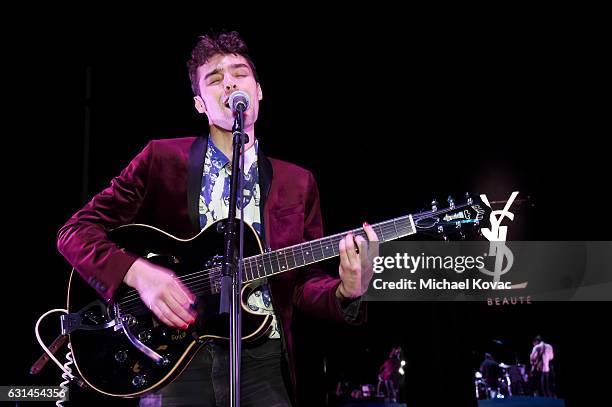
454	219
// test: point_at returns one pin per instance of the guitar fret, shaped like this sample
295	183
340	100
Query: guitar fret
389	231
246	266
308	254
245	270
382	234
299	257
323	249
291	263
285	266
407	226
328	249
257	263
377	230
412	228
317	251
275	254
337	243
271	271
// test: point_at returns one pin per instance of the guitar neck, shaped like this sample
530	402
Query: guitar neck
289	258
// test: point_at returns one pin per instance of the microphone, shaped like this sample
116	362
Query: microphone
239	101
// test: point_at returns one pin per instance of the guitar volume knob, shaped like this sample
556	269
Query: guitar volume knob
165	361
145	336
139	380
121	356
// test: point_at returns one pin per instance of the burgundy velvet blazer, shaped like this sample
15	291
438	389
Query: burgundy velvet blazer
161	187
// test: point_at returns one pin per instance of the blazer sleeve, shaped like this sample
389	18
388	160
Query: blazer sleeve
315	290
83	240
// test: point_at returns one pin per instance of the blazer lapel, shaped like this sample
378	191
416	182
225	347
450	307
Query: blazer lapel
195	170
264	167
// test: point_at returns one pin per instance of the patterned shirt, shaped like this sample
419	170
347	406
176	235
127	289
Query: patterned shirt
214	205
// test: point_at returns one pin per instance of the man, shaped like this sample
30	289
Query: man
388	375
490	372
541	355
181	186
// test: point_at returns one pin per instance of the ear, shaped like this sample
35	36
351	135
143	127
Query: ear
198	102
259	92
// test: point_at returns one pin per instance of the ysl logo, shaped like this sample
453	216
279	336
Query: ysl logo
497	236
498	233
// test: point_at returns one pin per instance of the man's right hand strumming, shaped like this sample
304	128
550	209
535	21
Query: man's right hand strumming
162	292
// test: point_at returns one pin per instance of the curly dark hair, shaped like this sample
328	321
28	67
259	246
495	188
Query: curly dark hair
213	44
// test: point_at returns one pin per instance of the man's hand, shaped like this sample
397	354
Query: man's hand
356	268
162	292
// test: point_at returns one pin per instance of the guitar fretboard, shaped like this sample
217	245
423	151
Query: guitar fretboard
279	261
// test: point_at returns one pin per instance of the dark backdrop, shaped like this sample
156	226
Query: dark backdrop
387	111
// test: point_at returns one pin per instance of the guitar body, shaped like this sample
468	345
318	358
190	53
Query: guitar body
106	358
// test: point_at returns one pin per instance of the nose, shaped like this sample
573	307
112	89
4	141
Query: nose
229	87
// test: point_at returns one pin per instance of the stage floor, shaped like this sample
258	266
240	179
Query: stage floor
523	402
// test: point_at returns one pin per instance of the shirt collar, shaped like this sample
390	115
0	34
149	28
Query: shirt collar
250	156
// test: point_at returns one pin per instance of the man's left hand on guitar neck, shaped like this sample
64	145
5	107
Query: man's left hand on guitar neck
356	263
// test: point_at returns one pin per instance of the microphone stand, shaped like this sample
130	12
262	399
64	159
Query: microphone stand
231	271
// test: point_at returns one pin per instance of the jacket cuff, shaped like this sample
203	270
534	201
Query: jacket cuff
106	284
352	309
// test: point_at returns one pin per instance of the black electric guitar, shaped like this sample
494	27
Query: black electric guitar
121	349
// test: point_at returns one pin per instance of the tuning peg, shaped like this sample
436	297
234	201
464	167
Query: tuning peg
451	202
434	205
468	198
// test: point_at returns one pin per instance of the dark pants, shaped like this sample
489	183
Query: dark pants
542	384
205	382
545	385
